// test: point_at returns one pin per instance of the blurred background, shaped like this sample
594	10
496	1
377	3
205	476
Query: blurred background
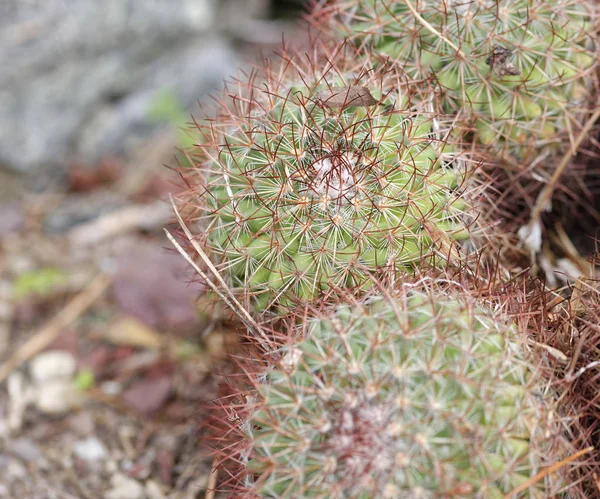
107	355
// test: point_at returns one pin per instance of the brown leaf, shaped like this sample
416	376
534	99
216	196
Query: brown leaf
165	461
148	396
12	218
132	332
352	95
152	285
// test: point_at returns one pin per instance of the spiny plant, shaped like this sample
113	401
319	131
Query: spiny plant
422	394
574	332
520	71
323	174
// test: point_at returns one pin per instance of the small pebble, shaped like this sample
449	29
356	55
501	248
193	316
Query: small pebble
57	397
153	490
112	388
12	218
52	365
90	450
82	423
123	487
26	450
15	470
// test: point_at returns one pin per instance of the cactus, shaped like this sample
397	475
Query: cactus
319	179
419	395
518	70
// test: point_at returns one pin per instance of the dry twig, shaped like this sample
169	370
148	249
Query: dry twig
547	471
224	292
139	216
77	306
212	482
545	195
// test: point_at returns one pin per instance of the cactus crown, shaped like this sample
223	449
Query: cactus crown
319	179
517	69
415	396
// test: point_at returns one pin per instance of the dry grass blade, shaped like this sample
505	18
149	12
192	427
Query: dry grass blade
212	482
547	471
224	293
555	352
445	246
235	305
353	95
544	196
77	306
431	28
146	216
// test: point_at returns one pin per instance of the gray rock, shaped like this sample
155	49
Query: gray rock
26	450
78	76
12	218
78	209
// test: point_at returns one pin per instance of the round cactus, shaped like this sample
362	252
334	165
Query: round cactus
416	396
518	70
320	181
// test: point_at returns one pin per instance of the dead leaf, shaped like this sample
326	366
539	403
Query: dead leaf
353	95
165	461
148	396
500	64
12	218
86	178
153	285
132	332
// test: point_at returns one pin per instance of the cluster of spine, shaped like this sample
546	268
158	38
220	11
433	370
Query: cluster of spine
420	395
340	171
322	181
519	71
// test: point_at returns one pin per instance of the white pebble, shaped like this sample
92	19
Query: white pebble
57	397
123	487
153	490
90	449
112	388
51	365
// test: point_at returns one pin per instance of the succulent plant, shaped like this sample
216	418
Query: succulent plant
419	395
518	70
321	178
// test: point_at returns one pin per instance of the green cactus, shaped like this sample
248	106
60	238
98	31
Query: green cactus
320	184
518	71
421	396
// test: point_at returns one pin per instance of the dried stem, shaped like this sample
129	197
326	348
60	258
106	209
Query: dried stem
431	28
544	196
225	293
77	306
547	471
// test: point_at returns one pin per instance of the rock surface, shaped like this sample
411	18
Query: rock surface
79	76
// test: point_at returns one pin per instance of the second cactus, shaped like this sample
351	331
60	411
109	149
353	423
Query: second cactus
421	395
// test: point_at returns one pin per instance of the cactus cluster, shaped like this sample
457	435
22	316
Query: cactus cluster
321	184
335	180
519	71
422	395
